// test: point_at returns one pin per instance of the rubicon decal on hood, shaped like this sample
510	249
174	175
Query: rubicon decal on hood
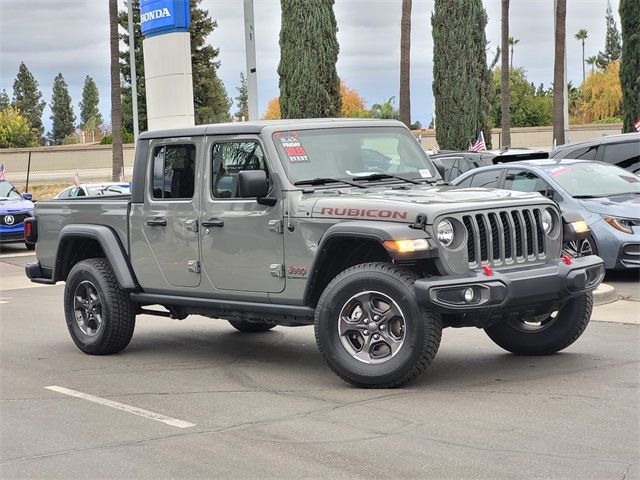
363	213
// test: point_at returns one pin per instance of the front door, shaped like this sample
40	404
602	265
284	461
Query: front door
242	242
169	217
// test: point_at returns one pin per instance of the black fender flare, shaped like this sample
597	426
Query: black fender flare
368	230
111	245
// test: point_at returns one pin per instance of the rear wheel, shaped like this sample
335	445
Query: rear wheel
252	326
370	328
546	334
100	317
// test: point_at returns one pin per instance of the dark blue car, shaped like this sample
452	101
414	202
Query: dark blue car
14	209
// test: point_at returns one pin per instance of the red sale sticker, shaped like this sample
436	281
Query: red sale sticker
293	149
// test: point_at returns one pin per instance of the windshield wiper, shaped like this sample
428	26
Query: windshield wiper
323	180
382	176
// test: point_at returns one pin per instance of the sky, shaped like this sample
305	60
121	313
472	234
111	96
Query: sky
72	37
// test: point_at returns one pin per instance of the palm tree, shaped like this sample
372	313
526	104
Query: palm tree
512	43
558	71
384	110
405	58
592	61
505	121
582	36
116	102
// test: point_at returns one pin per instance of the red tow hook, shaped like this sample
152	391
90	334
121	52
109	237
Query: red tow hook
487	271
567	259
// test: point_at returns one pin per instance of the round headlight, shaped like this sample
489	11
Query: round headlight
444	233
547	222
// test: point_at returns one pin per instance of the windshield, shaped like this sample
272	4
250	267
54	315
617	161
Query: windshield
8	191
352	154
591	179
94	190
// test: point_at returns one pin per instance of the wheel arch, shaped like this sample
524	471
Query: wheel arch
350	243
79	242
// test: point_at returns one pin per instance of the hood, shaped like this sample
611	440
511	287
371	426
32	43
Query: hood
13	206
626	205
404	204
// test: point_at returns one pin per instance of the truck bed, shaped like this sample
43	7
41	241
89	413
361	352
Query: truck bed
53	215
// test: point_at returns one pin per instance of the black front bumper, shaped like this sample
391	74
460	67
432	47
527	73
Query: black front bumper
522	289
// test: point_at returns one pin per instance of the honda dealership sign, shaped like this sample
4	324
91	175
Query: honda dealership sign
158	17
167	63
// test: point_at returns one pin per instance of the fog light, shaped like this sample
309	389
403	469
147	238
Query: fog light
469	295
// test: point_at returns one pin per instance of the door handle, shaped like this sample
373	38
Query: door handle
157	222
213	222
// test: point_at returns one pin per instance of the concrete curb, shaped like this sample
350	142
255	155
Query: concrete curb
605	293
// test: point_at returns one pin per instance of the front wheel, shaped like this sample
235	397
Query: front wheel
546	334
370	328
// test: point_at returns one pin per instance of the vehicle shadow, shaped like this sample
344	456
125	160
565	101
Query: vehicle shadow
295	355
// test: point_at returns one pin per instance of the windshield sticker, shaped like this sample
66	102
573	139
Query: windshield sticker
425	173
293	149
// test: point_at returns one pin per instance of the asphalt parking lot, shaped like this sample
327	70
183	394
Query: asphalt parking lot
196	399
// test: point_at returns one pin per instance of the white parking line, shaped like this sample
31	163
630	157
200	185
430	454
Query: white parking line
4	300
123	406
11	255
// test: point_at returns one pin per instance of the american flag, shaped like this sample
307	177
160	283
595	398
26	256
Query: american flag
76	180
636	125
3	175
479	146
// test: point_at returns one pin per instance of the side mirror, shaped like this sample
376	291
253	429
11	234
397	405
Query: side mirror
253	184
27	196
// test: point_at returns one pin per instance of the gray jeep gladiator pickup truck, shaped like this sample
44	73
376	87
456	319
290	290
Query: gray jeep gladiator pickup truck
343	224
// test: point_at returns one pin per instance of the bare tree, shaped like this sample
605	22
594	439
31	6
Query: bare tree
558	72
116	102
505	121
405	60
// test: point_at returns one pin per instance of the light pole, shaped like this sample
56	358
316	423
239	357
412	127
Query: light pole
250	49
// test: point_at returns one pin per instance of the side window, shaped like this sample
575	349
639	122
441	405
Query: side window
77	192
174	171
466	182
454	167
486	179
523	181
584	153
622	154
65	193
229	159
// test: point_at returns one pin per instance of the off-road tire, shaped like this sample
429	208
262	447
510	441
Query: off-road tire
567	327
422	334
256	326
118	312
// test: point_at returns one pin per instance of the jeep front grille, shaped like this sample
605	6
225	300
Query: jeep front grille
504	237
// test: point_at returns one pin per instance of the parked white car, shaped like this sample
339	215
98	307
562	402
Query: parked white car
95	189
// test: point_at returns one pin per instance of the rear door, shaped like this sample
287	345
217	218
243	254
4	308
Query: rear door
243	244
164	230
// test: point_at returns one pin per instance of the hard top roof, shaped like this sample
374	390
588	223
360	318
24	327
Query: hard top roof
257	127
624	137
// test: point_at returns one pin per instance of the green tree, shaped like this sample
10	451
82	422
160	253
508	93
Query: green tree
385	110
61	111
405	63
528	107
242	100
309	83
210	100
512	43
4	100
630	67
27	98
15	131
592	61
581	36
89	113
612	47
125	69
460	73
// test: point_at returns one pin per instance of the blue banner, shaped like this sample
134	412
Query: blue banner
158	17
